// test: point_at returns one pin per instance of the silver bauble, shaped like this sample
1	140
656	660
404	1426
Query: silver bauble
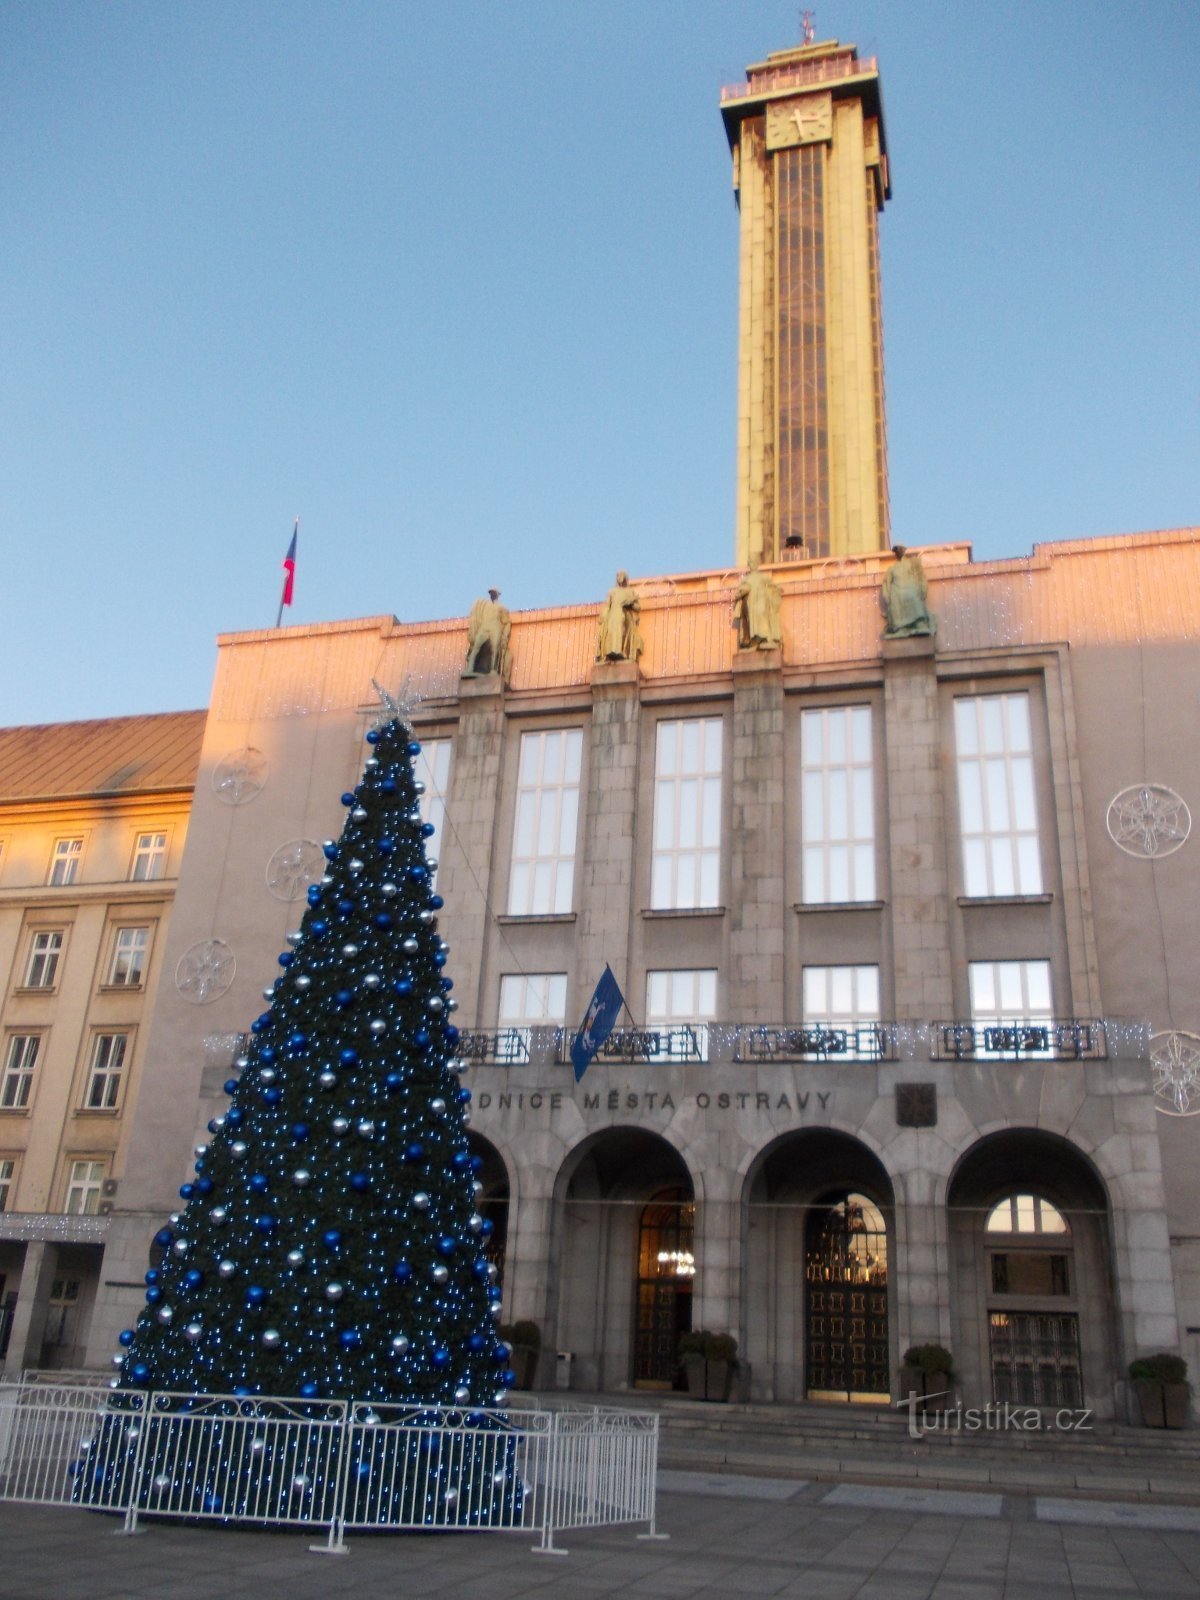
175	1219
365	1128
180	1247
258	1444
495	1312
301	1177
295	1258
226	1268
409	945
399	1344
418	786
477	1189
162	1482
300	1482
200	1150
466	1116
218	1215
437	1105
340	1125
354	865
493	1272
388	890
444	947
294	938
334	1291
431	863
193	1332
269	992
119	1359
440	1274
370	763
435	1003
327	1079
238	1147
450	1497
327	879
425	916
267	1075
378	1027
303	982
500	1397
452	1004
474	1222
359	814
242	1063
420	1201
372	980
271	1338
349	951
462	1394
164	1314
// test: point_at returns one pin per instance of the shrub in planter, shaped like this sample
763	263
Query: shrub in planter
926	1369
708	1361
1163	1391
526	1340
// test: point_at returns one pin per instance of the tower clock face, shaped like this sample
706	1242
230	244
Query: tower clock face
807	119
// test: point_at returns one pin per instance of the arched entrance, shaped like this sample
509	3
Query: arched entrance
819	1219
846	1300
622	1259
1028	1225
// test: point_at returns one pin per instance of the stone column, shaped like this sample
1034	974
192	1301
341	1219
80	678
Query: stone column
466	853
33	1298
919	892
757	840
606	908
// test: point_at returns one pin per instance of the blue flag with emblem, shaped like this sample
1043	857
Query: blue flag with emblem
602	1013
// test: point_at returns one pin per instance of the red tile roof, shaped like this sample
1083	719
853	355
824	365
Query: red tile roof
114	755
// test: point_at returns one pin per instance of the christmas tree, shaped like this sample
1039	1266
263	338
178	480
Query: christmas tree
331	1246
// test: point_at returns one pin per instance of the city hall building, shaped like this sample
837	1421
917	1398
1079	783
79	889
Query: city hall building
904	922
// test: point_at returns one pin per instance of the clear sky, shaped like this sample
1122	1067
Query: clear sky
455	282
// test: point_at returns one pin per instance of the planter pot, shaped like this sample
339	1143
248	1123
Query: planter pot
524	1364
1163	1405
930	1388
694	1372
716	1380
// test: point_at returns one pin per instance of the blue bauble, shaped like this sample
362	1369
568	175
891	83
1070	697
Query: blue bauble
476	1163
382	920
154	1276
372	735
439	960
507	1378
185	1191
153	1295
314	893
266	1223
403	986
345	907
319	929
267	1054
417	874
238	1389
309	1390
298	1041
463	1095
258	1183
487	1227
393	1082
234	1116
480	1268
272	1095
415	1151
386	846
460	1158
388	786
349	1338
447	984
402	1272
140	1372
427	830
213	1125
230	1086
349	1058
414	749
255	1295
347	798
203	1186
300	1132
193	1277
436	902
450	1032
285	958
421	1038
330	850
343	998
476	1343
163	1238
446	1245
440	1359
360	1182
125	1337
331	1238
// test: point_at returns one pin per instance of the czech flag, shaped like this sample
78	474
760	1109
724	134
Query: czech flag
289	567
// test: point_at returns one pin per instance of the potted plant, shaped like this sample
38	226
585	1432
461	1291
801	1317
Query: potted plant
690	1351
1163	1391
926	1370
525	1339
708	1361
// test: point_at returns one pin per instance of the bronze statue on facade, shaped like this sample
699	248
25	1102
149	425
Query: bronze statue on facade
488	629
756	610
902	597
617	635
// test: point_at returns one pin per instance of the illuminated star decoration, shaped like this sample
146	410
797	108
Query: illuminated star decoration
399	706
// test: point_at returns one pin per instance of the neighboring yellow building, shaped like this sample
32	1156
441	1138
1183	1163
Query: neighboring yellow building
93	817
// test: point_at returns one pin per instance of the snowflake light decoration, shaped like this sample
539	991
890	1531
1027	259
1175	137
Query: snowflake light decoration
293	867
204	971
1148	820
240	776
1175	1063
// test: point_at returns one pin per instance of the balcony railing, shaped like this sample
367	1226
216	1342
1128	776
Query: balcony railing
1019	1038
824	69
498	1047
851	1041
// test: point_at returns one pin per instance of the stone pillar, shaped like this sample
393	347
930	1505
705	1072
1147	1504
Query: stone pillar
464	861
919	893
33	1298
757	840
606	909
717	1303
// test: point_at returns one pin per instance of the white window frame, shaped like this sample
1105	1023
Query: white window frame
844	999
837	805
127	949
680	998
1007	994
546	823
528	1000
8	1180
46	947
21	1052
85	1185
432	767
149	858
1026	1213
685	866
997	796
108	1059
65	862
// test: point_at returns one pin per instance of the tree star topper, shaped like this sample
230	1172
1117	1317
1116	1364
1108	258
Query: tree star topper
400	705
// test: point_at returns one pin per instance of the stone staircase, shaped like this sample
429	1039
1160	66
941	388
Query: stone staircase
860	1444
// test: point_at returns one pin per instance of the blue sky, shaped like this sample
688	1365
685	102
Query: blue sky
456	283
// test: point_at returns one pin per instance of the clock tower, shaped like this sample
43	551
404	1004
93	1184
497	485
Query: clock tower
810	170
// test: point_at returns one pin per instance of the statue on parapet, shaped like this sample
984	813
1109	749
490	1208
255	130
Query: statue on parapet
757	602
902	597
488	629
618	637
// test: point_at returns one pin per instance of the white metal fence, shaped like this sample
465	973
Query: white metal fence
333	1464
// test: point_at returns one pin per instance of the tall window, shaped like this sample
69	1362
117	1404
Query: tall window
528	1000
149	857
16	1087
996	801
84	1186
679	1006
105	1071
128	960
64	863
44	950
686	866
1010	1007
543	864
8	1181
841	995
432	767
837	805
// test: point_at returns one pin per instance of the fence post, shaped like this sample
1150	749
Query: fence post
130	1525
652	1468
335	1544
547	1546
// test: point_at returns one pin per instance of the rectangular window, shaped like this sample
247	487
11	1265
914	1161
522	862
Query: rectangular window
16	1088
84	1186
149	857
1010	1008
996	800
546	822
128	961
528	1000
8	1181
432	767
64	863
837	805
841	994
679	1007
104	1073
686	865
44	950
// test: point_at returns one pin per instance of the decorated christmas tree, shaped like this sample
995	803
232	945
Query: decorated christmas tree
331	1247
